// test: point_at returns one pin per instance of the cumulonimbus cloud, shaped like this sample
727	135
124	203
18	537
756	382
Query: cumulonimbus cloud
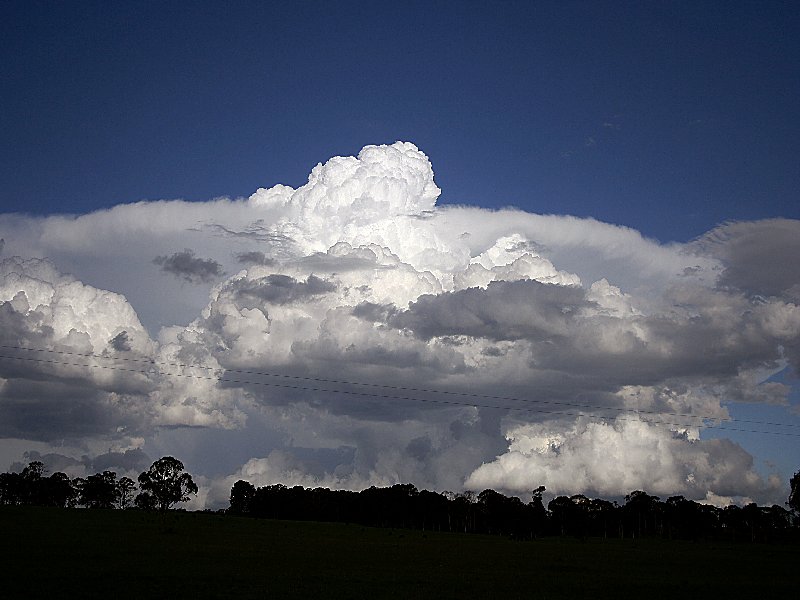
373	337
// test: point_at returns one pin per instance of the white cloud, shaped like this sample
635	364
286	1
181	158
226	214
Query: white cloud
358	277
606	459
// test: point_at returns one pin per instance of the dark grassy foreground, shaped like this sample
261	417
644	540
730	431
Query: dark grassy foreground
47	552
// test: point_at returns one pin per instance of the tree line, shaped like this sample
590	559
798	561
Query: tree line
403	506
166	484
162	486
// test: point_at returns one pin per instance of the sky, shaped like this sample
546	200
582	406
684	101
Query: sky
461	245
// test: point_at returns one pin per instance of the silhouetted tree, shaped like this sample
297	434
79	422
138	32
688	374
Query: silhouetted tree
34	470
31	477
464	512
580	515
145	501
432	511
643	513
58	490
33	488
99	490
775	520
538	513
125	489
400	502
561	509
682	518
794	494
493	511
166	483
503	514
11	488
242	493
603	517
267	502
752	518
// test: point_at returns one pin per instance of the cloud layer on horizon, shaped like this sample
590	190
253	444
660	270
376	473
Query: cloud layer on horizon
350	332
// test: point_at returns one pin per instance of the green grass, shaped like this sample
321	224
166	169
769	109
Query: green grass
130	554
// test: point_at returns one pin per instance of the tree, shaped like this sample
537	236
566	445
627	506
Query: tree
537	511
561	509
602	517
165	484
642	512
242	493
145	501
794	495
99	490
11	488
125	489
32	476
58	490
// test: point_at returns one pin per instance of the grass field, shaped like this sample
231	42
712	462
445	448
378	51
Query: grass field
130	554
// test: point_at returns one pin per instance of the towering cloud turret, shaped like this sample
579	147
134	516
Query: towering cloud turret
351	332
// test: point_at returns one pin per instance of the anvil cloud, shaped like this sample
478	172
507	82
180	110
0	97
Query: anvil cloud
351	332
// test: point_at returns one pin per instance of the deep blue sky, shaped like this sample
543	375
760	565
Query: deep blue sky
668	117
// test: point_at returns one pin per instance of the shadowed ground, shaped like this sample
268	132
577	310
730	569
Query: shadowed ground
46	552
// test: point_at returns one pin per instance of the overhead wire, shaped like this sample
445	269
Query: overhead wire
154	363
391	387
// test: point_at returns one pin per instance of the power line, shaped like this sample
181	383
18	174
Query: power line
394	387
152	362
372	394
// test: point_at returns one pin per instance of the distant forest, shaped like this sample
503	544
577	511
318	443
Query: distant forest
403	506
